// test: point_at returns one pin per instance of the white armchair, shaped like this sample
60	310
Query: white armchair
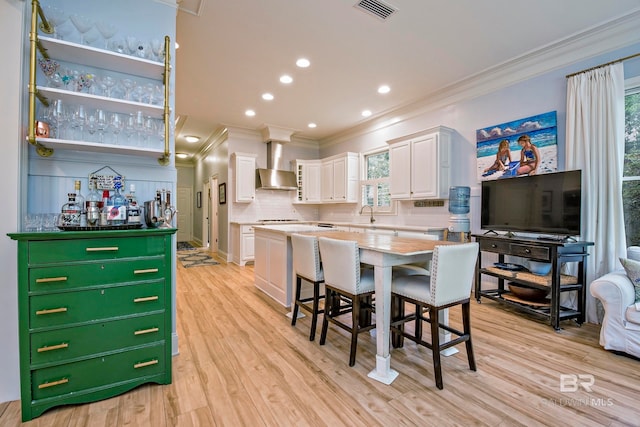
621	323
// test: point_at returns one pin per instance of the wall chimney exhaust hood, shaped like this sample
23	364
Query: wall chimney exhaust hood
274	177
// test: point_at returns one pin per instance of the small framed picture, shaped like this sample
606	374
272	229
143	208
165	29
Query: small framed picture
222	193
199	199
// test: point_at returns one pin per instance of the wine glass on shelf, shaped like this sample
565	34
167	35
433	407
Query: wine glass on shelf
116	124
157	48
130	128
108	82
90	37
101	124
128	86
56	17
82	24
78	119
107	30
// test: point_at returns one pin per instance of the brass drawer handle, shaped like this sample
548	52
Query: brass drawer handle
52	279
146	331
52	311
105	249
53	347
143	364
148	270
145	299
54	383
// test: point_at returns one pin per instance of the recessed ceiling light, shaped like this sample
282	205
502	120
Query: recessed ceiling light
267	96
182	155
286	79
366	113
312	125
303	63
191	138
384	89
250	113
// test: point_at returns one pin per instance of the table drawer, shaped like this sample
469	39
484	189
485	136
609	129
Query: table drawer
67	308
50	251
68	277
525	251
65	344
494	246
99	372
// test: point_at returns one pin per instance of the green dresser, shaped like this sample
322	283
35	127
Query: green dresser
94	314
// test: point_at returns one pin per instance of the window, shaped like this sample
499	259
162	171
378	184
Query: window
375	183
631	170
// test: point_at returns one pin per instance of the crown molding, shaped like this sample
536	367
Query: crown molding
598	40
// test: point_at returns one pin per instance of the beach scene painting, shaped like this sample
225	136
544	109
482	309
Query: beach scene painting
522	147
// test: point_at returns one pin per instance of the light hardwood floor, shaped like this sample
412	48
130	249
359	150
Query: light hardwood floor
242	364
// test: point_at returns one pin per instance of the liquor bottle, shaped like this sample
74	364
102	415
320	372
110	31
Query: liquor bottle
93	205
70	214
133	210
80	203
117	205
104	213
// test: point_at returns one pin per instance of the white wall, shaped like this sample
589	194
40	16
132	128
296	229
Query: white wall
541	94
11	18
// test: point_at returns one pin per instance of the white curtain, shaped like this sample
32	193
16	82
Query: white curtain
595	144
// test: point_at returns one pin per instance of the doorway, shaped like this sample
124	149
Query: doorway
185	214
210	214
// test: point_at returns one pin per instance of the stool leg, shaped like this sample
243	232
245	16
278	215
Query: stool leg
294	315
328	300
466	322
355	326
314	314
435	346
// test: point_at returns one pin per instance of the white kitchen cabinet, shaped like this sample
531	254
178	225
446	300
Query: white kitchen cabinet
339	179
243	243
308	174
245	174
273	268
420	165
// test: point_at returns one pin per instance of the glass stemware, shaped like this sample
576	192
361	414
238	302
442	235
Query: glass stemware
56	17
78	120
157	48
107	30
108	82
90	37
82	24
101	124
128	85
116	124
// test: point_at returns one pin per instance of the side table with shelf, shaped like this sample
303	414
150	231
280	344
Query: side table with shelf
555	252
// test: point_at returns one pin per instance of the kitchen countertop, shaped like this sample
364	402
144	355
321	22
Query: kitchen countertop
349	224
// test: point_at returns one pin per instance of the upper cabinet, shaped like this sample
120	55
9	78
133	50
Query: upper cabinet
99	100
420	165
331	180
308	173
245	174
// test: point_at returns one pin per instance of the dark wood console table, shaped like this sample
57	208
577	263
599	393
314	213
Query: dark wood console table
554	251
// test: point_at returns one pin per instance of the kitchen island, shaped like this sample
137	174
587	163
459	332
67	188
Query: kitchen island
273	266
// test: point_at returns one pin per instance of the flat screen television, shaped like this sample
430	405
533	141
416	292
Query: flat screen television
546	204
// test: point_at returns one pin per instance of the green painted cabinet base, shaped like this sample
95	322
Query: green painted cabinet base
94	314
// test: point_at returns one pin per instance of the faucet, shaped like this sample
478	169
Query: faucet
372	219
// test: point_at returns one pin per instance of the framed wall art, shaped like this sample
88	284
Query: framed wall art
526	146
222	193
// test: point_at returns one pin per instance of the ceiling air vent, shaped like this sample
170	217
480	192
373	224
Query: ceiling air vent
376	8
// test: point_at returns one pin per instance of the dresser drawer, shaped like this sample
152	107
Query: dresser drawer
65	344
51	251
68	277
67	308
92	374
525	251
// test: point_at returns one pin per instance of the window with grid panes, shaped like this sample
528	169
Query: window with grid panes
631	170
375	183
